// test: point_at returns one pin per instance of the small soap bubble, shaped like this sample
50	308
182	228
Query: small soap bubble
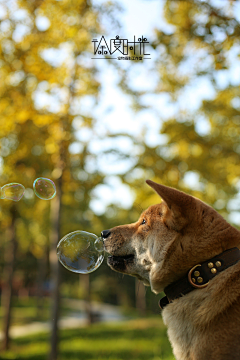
80	252
12	191
44	188
98	244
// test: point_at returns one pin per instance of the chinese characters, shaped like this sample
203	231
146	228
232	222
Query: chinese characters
136	48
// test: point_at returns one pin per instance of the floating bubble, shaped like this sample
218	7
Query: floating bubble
12	191
44	188
98	244
80	252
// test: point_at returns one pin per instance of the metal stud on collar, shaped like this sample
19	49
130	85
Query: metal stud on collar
199	279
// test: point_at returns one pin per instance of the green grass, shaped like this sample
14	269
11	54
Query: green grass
24	311
142	339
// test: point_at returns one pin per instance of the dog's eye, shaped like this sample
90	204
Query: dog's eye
143	222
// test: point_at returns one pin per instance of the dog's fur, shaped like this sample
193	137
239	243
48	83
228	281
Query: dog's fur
168	240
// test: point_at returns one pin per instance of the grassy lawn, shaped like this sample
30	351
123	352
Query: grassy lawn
24	311
141	339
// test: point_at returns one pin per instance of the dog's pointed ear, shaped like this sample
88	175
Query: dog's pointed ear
180	206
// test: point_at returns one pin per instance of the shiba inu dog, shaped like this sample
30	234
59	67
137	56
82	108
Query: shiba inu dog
185	248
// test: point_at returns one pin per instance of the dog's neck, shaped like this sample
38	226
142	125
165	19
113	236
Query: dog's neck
199	276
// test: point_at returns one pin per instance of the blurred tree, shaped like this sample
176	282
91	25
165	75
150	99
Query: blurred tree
10	259
46	77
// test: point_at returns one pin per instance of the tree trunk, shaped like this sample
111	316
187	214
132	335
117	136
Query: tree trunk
140	297
40	284
55	270
87	297
9	257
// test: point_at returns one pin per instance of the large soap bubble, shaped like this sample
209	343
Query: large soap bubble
80	252
44	188
12	191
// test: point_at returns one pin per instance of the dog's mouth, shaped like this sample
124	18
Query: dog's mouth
119	263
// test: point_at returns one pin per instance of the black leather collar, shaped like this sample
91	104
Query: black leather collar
199	276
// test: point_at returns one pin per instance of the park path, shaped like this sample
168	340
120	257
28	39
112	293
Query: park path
77	318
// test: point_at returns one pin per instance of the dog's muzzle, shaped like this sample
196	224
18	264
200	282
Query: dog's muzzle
119	263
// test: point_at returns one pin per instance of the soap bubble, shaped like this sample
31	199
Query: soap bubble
80	252
44	188
12	191
98	244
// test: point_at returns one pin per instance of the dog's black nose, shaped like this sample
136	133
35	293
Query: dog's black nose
105	233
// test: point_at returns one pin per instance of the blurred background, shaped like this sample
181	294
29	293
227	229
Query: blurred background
99	129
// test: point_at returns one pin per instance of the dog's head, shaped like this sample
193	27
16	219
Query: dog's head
168	239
